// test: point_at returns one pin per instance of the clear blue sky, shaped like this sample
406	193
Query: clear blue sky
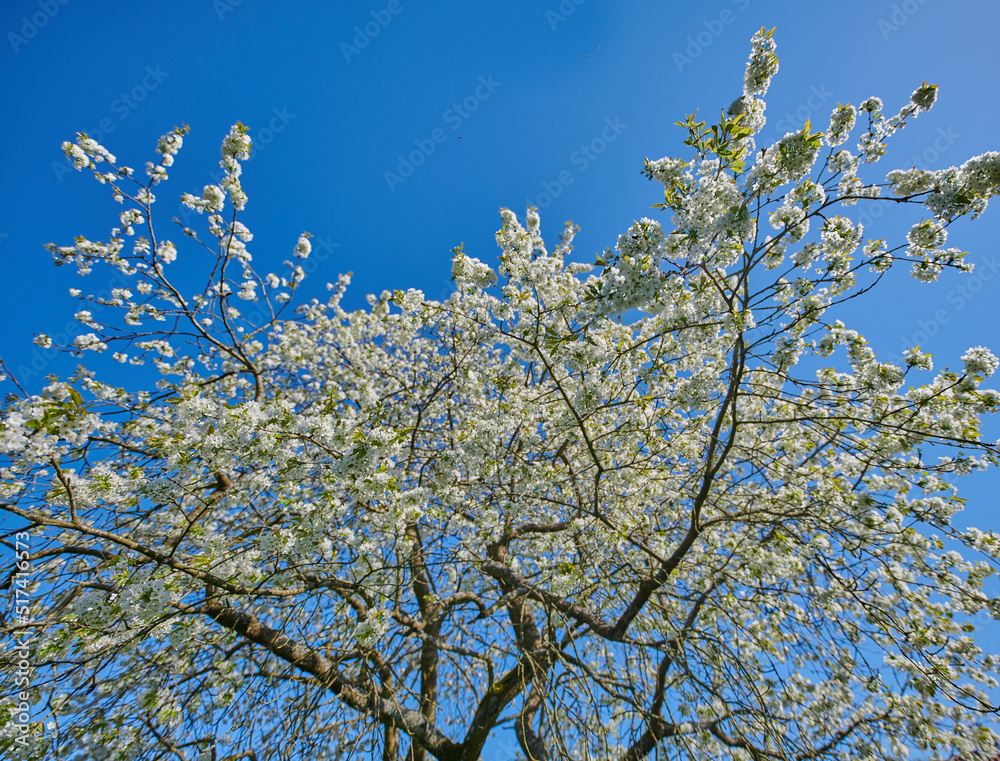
506	94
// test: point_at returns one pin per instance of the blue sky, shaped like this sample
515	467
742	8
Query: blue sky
503	104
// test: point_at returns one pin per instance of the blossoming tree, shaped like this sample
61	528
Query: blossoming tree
717	528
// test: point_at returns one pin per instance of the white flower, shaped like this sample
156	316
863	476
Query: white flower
907	182
841	123
927	234
248	290
131	217
926	271
872	105
237	143
667	170
470	269
13	436
982	174
169	144
242	232
915	358
763	65
156	173
371	630
166	252
89	342
213	197
303	247
91	609
75	154
980	361
411	300
840	236
924	96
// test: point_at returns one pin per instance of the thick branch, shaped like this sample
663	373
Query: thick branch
423	591
313	663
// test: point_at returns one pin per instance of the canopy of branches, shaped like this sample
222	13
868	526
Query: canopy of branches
658	506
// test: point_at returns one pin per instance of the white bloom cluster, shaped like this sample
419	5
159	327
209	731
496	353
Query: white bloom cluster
873	143
952	198
763	64
642	240
808	193
916	358
275	543
871	146
792	217
85	252
926	270
144	598
841	123
237	143
131	217
924	96
844	161
169	145
927	235
980	361
669	171
86	152
84	316
925	239
89	342
753	119
235	148
468	269
166	252
213	198
372	629
713	209
872	105
156	172
247	290
790	159
92	609
981	174
632	277
838	240
877	253
240	231
412	299
303	247
13	433
805	256
908	182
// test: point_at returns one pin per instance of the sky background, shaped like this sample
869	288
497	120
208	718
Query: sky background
338	94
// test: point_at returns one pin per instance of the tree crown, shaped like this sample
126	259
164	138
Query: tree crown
613	507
